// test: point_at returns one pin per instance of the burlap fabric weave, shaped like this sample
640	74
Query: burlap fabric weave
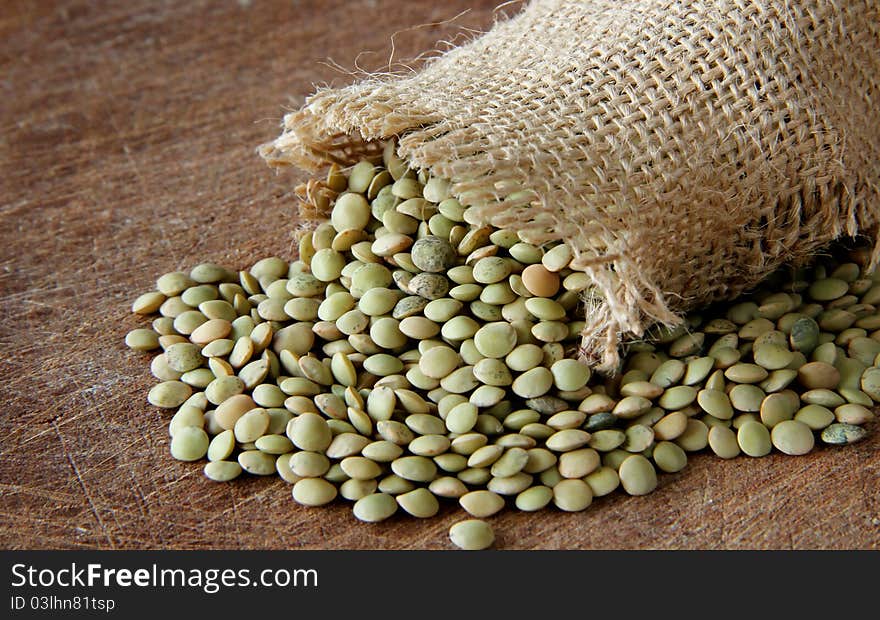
684	148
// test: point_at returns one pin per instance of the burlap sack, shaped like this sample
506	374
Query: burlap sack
684	148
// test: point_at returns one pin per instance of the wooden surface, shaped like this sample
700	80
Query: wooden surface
128	149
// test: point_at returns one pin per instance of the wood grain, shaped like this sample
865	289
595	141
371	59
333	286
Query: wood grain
127	150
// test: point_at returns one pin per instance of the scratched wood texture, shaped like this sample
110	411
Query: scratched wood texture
127	150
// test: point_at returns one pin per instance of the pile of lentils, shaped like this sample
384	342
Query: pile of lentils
410	357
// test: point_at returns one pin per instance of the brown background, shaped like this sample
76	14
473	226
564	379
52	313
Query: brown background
127	150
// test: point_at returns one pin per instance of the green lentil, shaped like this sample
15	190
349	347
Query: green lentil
314	492
189	443
607	440
792	437
840	434
778	380
754	439
569	439
637	475
511	463
461	418
257	463
415	468
472	535
723	442
169	394
818	375
222	471
578	463
460	381
669	457
142	340
482	503
534	498
603	481
870	382
746	397
353	490
777	408
572	495
828	289
631	407
309	431
274	444
695	437
678	397
420	503
746	373
251	426
853	414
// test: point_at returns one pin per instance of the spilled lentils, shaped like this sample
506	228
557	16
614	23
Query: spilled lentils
411	358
